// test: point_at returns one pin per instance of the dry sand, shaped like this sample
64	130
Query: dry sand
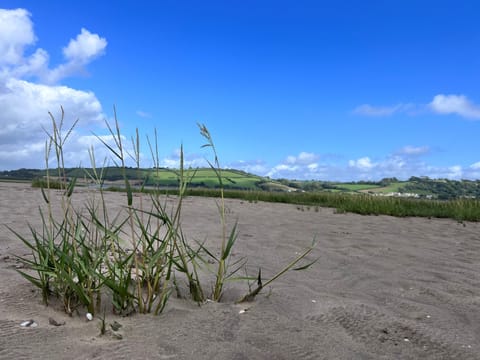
383	288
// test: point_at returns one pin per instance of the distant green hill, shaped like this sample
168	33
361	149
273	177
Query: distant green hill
202	178
423	187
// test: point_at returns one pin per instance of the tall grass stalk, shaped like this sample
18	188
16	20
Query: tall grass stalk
227	243
225	270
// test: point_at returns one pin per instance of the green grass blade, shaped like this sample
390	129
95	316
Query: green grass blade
231	241
71	187
44	195
304	267
38	283
129	192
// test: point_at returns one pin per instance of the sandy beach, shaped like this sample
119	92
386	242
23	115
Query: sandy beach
383	288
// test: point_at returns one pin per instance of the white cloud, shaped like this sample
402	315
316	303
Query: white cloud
455	172
401	164
254	167
441	104
192	160
16	32
25	104
363	164
303	166
79	52
455	104
25	108
35	65
475	166
25	116
414	150
304	158
87	141
369	110
77	150
472	171
85	47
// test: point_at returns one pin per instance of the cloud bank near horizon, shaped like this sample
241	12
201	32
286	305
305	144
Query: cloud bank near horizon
441	104
402	164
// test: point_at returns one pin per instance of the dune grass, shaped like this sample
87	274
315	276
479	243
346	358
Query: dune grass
134	259
364	204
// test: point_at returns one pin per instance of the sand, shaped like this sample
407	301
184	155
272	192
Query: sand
383	288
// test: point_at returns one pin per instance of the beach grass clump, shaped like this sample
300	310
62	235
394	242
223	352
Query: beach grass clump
135	259
66	256
462	209
42	183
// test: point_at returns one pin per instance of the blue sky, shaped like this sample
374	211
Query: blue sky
344	90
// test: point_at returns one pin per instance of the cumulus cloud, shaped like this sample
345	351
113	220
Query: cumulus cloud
192	160
475	166
363	164
472	171
36	65
304	158
441	104
16	32
25	116
455	172
258	167
25	108
455	104
302	166
26	103
85	47
402	164
16	35
78	53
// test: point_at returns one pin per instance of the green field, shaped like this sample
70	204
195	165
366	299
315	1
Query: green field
163	177
392	188
371	188
355	187
206	178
